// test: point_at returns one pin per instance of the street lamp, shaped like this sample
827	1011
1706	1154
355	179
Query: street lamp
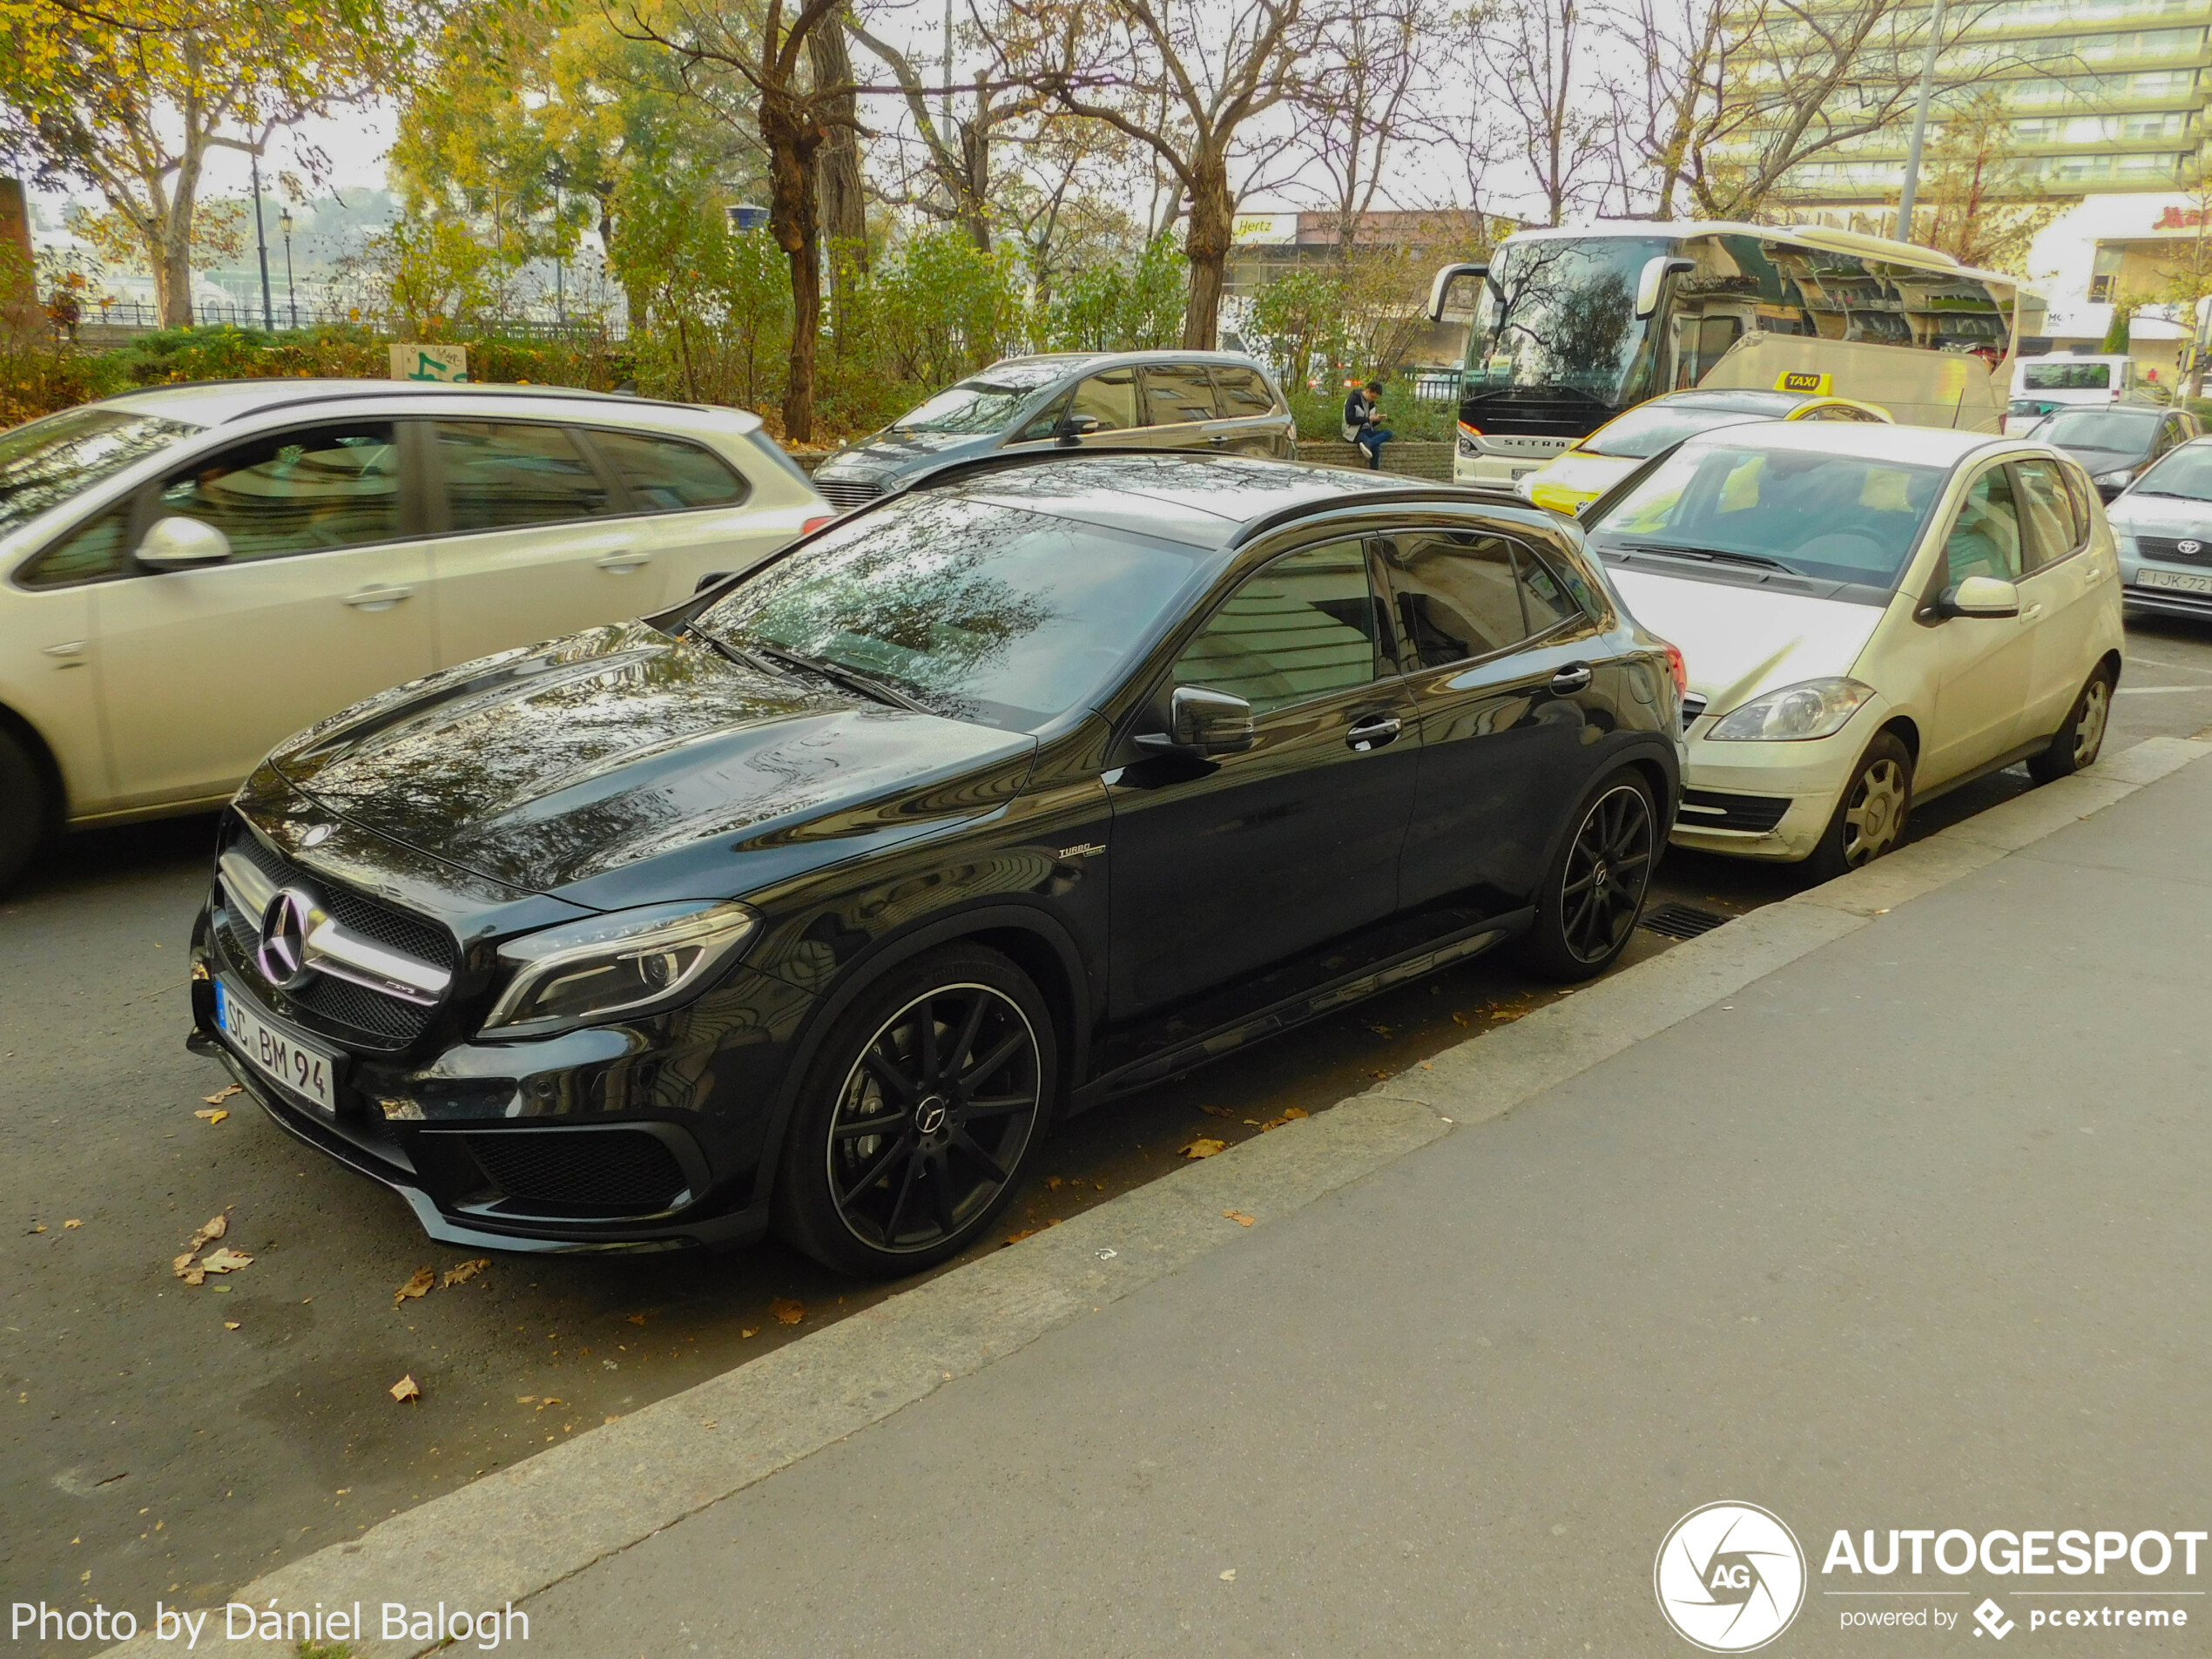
291	300
1919	127
261	242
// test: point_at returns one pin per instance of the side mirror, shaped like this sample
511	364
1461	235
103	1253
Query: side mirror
180	543
1656	269
1983	597
1439	288
1074	428
1204	723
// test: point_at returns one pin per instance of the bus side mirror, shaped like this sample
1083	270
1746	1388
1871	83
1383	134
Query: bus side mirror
1439	290
1655	272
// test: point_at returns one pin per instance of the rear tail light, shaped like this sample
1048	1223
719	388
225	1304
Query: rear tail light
1677	667
816	522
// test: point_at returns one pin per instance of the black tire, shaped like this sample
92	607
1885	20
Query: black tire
1595	890
918	1114
1871	814
26	814
2076	744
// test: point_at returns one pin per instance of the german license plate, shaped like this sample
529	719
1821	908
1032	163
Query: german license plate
277	1054
2177	579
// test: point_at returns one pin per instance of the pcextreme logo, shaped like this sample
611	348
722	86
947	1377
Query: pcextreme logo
1730	1577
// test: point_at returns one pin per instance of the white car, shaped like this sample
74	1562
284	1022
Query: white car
1870	615
194	572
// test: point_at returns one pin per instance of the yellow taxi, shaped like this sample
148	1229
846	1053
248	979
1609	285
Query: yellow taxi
1593	465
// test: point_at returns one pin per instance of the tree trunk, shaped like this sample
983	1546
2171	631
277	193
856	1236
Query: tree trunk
1206	245
845	214
171	257
976	181
792	142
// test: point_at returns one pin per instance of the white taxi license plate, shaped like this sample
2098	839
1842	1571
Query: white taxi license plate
303	1070
2176	579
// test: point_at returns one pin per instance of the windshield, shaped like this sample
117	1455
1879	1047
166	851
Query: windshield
985	403
2066	377
46	462
1561	313
1839	518
979	610
2120	432
1642	432
2186	472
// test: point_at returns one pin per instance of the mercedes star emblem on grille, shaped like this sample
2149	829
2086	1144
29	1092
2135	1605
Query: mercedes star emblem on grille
282	957
316	836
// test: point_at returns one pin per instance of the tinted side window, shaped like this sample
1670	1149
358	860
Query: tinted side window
1986	540
1544	598
667	475
98	548
1110	399
1044	424
1305	626
1457	594
2047	513
498	476
303	491
1177	393
1242	393
2083	492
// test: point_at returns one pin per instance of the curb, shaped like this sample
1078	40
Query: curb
504	1538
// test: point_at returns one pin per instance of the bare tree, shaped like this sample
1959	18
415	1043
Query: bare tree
1381	92
845	208
755	68
1534	71
1736	93
1187	80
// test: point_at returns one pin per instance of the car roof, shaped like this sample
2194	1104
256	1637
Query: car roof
1919	446
1073	361
1199	500
1745	399
219	402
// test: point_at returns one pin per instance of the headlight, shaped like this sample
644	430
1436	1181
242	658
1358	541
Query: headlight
1815	709
622	963
2119	480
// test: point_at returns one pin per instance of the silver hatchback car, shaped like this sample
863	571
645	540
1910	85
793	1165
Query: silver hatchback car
1218	401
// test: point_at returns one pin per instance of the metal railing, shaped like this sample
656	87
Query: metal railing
134	316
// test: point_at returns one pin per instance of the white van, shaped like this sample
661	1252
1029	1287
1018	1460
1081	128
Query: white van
2076	382
1913	387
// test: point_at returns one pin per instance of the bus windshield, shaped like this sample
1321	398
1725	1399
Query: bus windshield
1561	312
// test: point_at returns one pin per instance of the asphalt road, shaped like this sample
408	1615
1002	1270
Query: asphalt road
152	1450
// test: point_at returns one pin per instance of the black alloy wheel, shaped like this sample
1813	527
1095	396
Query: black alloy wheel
25	813
927	1100
1595	889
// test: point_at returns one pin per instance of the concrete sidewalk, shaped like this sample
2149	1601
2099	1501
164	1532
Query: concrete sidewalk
1882	1208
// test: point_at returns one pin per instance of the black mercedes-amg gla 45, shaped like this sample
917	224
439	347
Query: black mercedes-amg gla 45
811	904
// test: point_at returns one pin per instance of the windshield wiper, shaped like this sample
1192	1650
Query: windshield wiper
852	679
1711	556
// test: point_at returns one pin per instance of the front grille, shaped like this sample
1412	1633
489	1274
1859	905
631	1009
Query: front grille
1709	809
846	494
2167	548
1693	704
622	1171
338	1007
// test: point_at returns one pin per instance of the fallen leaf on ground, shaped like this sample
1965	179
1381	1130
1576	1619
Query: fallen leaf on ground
1238	1216
465	1271
222	1094
1228	1577
1379	1076
424	1281
406	1389
225	1260
1015	1238
1218	1111
230	1324
68	1226
751	1332
637	1318
38	1226
526	1399
786	1311
1052	1184
550	1399
214	1115
1379	1031
1204	1147
1461	1019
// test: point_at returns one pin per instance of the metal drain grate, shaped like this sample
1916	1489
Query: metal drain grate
1683	921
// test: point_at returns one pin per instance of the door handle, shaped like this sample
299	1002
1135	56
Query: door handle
1571	679
1372	732
1218	439
382	598
2030	613
627	558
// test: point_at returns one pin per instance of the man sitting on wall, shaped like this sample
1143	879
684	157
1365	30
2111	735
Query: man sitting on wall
1363	422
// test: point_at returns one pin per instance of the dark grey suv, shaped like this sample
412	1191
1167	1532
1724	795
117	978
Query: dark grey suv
1216	401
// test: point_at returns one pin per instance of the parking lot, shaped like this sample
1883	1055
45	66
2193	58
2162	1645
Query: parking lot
192	1436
